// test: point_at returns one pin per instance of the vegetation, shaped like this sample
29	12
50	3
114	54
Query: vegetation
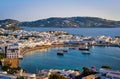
106	67
8	69
56	76
15	36
14	70
20	77
4	34
98	78
76	70
2	55
12	27
6	66
86	71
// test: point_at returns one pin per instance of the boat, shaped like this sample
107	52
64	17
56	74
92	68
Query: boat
84	48
86	52
65	51
73	48
87	49
60	53
20	57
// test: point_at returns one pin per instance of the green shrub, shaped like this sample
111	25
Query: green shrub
2	55
56	76
86	71
20	77
106	67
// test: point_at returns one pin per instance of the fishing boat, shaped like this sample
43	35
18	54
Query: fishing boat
20	57
84	48
60	53
86	52
73	48
65	50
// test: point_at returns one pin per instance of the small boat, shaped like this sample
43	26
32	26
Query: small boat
60	53
83	48
87	49
86	52
20	57
73	48
65	51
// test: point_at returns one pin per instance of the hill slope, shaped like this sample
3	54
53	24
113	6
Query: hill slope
72	22
83	22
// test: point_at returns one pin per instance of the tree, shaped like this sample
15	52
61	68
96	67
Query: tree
6	66
20	77
13	27
106	67
56	76
2	55
86	71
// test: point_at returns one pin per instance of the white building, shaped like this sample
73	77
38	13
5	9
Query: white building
113	75
110	74
12	51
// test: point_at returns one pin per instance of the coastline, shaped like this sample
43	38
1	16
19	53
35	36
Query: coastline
55	40
48	57
45	47
29	49
15	62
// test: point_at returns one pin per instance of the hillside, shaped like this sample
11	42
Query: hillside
75	22
72	22
8	22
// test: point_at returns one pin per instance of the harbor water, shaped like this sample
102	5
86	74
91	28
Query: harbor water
73	59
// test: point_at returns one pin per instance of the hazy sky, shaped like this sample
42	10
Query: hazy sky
27	10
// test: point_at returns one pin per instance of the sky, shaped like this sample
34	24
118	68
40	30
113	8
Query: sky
30	10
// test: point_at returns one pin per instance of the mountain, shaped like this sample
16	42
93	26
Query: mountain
75	22
71	22
6	22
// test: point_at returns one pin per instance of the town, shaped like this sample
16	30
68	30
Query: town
14	44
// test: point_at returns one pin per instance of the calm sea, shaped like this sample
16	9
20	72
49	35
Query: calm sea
81	31
73	59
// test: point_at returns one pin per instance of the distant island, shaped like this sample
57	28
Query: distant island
68	22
